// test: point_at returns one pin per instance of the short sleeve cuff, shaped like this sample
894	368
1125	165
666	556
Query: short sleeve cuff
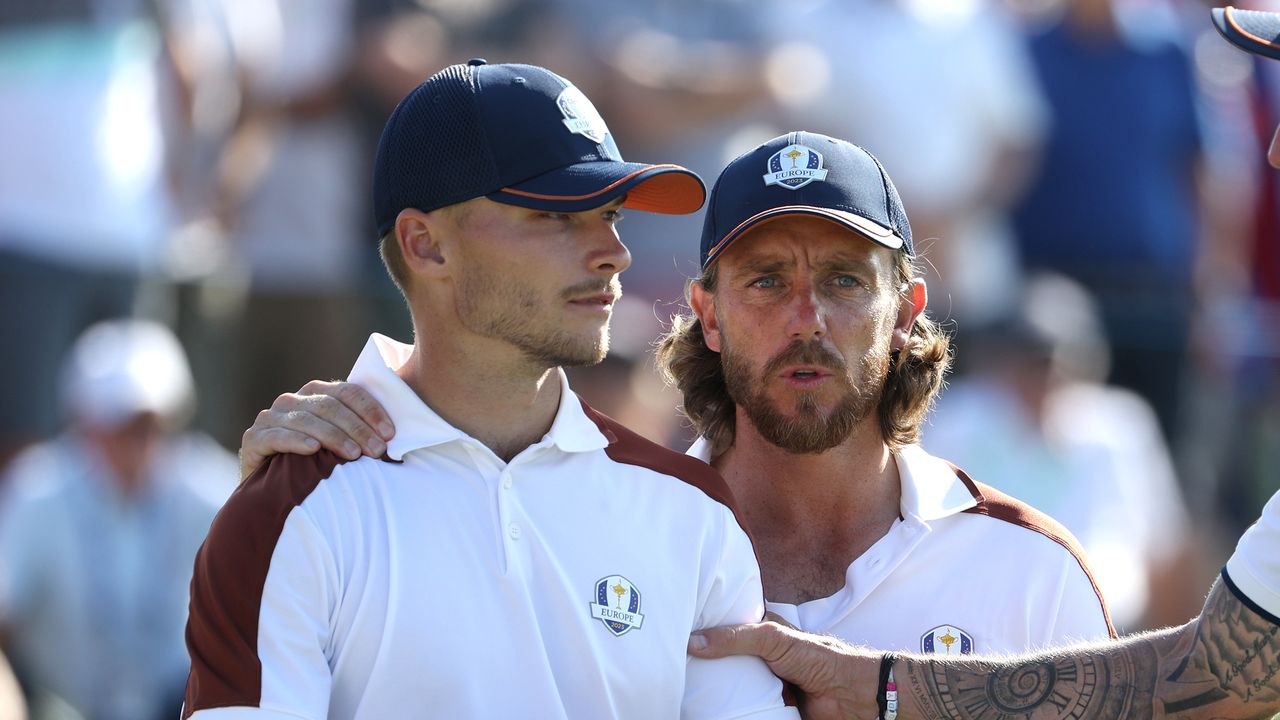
1250	590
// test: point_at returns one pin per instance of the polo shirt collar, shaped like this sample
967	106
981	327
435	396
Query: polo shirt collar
930	487
418	426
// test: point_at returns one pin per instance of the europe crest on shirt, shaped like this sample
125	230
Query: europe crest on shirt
946	640
617	604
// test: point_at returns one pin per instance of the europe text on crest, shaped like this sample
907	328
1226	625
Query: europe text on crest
795	166
617	604
947	640
580	116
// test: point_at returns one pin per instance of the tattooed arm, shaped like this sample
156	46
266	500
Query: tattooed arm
1223	665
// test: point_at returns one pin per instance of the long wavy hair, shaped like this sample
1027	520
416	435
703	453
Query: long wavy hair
915	375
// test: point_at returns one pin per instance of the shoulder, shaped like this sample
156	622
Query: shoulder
38	471
629	448
254	515
1004	508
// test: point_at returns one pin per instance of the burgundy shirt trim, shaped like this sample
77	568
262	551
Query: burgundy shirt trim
629	448
997	505
229	576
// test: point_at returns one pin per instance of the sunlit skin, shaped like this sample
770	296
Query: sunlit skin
822	301
507	294
806	280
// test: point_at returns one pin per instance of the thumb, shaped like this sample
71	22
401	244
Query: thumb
728	640
766	640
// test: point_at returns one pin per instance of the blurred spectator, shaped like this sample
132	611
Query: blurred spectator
1241	408
944	93
1033	419
1115	203
291	195
99	528
84	206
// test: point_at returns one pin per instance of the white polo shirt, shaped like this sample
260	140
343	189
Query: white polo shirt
442	582
964	569
1253	572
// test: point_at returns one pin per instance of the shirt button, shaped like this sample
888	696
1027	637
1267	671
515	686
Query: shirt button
506	482
514	531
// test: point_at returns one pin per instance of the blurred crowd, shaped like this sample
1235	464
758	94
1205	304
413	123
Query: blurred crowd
185	209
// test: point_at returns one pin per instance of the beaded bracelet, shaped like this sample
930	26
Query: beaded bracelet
887	690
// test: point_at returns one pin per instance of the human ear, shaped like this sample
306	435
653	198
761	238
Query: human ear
418	235
912	300
703	304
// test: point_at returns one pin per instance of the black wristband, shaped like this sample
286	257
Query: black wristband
882	700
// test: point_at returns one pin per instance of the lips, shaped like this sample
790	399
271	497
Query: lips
805	372
600	298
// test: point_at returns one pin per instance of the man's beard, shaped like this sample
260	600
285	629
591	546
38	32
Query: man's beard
807	430
503	309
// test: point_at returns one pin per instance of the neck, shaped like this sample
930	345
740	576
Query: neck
818	511
486	389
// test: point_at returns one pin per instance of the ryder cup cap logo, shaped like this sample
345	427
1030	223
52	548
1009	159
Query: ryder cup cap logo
947	640
580	116
795	166
617	604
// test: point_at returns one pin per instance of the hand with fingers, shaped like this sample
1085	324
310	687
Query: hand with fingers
836	680
340	417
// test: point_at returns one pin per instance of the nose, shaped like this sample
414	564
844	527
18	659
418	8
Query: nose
807	319
608	255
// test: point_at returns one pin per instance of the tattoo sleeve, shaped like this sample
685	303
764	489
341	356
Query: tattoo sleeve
1223	665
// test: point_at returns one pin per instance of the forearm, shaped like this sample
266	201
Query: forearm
1114	681
1222	665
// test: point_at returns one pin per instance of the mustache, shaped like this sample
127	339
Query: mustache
804	353
593	287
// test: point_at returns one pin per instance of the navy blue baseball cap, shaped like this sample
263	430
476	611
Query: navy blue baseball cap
1252	30
516	134
804	173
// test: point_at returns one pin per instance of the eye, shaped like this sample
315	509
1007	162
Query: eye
554	216
845	282
613	216
767	282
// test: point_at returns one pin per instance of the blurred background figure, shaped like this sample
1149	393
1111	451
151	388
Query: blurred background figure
1235	418
944	93
84	195
1033	417
99	528
288	199
1115	202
